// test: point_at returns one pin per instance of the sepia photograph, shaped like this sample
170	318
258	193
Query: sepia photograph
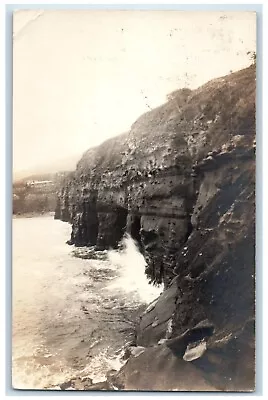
133	202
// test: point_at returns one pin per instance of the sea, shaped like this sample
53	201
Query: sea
74	310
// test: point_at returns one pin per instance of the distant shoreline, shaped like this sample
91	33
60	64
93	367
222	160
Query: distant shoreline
33	214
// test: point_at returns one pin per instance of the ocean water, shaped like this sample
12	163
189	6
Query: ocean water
71	316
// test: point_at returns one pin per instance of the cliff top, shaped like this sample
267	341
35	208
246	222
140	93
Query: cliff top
189	125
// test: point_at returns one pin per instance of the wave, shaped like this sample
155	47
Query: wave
131	267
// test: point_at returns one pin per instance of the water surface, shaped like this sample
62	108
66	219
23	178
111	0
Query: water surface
70	316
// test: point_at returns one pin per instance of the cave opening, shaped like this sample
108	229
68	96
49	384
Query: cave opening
93	228
135	229
120	224
89	223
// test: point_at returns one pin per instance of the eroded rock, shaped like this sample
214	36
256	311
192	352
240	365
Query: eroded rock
182	183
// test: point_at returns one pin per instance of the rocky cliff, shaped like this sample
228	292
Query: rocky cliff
182	183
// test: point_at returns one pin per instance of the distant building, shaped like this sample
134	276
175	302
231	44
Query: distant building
39	183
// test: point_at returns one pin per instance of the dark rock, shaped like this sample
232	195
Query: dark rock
158	369
65	385
100	386
86	383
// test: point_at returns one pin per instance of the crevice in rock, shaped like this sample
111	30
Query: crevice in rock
135	229
120	224
197	271
112	226
65	217
92	227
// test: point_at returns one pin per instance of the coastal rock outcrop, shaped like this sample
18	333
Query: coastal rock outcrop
182	183
36	194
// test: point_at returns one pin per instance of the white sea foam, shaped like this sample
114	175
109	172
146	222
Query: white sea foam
131	265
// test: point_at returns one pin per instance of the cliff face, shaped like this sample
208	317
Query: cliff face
182	183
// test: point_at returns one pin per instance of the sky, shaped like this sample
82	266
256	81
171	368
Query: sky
81	77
